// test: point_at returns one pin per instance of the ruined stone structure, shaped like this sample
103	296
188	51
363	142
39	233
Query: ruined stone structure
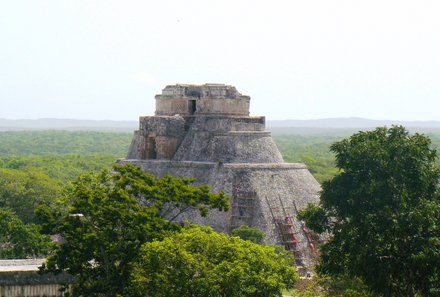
205	132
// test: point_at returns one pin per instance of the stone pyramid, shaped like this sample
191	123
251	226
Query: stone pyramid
205	132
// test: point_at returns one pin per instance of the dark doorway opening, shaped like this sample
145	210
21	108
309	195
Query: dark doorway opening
192	107
151	148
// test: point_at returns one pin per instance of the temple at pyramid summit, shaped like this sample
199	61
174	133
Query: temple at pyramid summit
205	132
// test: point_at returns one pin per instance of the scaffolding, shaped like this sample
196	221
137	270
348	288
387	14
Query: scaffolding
312	239
287	231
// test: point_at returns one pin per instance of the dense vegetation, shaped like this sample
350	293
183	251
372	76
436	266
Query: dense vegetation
35	169
63	155
314	149
120	238
311	150
200	262
55	142
20	240
41	168
382	211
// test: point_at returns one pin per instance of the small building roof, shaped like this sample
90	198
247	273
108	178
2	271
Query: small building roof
20	265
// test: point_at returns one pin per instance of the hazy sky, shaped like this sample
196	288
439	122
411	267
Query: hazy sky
106	59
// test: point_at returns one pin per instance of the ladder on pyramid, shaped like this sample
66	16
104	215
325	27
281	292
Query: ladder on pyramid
312	242
287	231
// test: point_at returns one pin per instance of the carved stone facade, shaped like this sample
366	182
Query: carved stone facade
209	98
205	132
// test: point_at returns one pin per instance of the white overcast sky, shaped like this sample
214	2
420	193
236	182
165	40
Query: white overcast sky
307	59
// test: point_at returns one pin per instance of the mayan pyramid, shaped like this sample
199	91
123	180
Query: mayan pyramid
205	132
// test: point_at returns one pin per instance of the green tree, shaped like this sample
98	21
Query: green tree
249	233
383	213
19	240
325	286
22	191
110	216
200	262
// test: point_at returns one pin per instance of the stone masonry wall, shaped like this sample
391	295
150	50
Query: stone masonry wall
157	137
201	99
259	193
228	140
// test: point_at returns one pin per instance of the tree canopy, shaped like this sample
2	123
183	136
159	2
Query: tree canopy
58	142
20	240
22	191
200	262
249	233
383	213
109	216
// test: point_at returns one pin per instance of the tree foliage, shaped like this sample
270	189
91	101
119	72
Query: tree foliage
325	286
200	262
109	216
383	213
22	191
60	168
57	142
20	240
249	233
312	150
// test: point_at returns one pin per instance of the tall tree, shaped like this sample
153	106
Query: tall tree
110	216
200	262
383	213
